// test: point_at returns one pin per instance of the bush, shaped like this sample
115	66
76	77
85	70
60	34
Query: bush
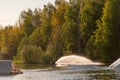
29	54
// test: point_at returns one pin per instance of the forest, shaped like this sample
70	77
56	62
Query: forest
89	28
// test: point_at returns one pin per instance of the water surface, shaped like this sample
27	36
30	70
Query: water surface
47	72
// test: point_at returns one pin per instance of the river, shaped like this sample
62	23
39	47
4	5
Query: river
48	72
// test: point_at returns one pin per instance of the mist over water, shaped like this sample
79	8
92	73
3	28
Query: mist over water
74	60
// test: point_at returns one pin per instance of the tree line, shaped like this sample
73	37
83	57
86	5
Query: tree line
89	28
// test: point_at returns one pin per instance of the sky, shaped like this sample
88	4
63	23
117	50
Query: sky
11	9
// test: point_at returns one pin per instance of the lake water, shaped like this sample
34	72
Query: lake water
43	72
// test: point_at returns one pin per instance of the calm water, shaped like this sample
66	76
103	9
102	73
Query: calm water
43	72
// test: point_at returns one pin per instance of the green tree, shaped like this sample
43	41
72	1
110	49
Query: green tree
10	38
91	11
70	29
36	20
41	34
24	41
55	47
107	35
29	54
46	27
26	22
36	39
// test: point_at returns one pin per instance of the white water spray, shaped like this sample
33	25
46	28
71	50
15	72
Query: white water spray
74	60
115	65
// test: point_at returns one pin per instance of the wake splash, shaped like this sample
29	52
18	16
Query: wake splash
74	60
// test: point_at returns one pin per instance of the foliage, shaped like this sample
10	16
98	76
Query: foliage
30	21
10	38
108	32
91	50
46	26
35	38
54	49
84	27
70	28
29	54
91	11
